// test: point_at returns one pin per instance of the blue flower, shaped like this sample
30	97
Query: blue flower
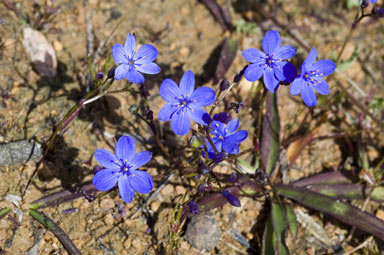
270	64
310	78
121	168
373	1
225	137
131	63
184	103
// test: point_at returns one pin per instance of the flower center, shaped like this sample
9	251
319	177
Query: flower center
269	61
184	102
124	169
131	62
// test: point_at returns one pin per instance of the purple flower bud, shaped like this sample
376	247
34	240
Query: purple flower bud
380	12
193	207
232	199
232	178
99	76
237	106
196	177
201	188
237	77
261	176
111	73
89	197
144	91
70	210
221	156
223	117
224	85
97	168
149	115
364	3
203	169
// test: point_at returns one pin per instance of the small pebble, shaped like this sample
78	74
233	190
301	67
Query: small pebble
107	204
203	232
184	51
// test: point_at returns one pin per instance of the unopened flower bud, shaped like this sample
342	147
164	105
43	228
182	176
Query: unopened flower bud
144	91
232	199
232	177
218	157
149	115
223	117
201	188
224	85
193	207
237	106
111	73
99	76
364	3
196	141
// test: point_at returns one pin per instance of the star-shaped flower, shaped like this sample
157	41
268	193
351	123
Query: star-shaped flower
310	78
225	137
185	102
132	62
121	168
270	64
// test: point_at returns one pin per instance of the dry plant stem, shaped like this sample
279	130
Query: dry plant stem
365	243
64	121
218	101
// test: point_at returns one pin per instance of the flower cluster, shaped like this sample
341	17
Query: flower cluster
274	70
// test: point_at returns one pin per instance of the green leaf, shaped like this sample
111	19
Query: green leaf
56	230
270	133
292	222
340	210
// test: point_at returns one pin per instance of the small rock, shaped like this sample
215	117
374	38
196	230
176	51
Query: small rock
203	232
57	45
180	190
184	51
136	243
19	152
108	219
155	205
127	243
40	52
168	190
380	214
107	204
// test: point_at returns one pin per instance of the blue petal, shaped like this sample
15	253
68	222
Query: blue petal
219	127
203	96
233	125
130	45
121	72
180	123
254	71
106	158
285	52
126	191
118	54
296	86
218	144
199	115
254	55
146	54
134	76
169	91
231	148
187	83
237	137
141	181
324	67
321	86
289	71
125	148
308	95
308	62
270	80
166	112
141	159
149	68
105	179
271	42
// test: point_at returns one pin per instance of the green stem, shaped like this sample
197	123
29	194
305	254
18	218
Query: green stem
4	211
56	230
